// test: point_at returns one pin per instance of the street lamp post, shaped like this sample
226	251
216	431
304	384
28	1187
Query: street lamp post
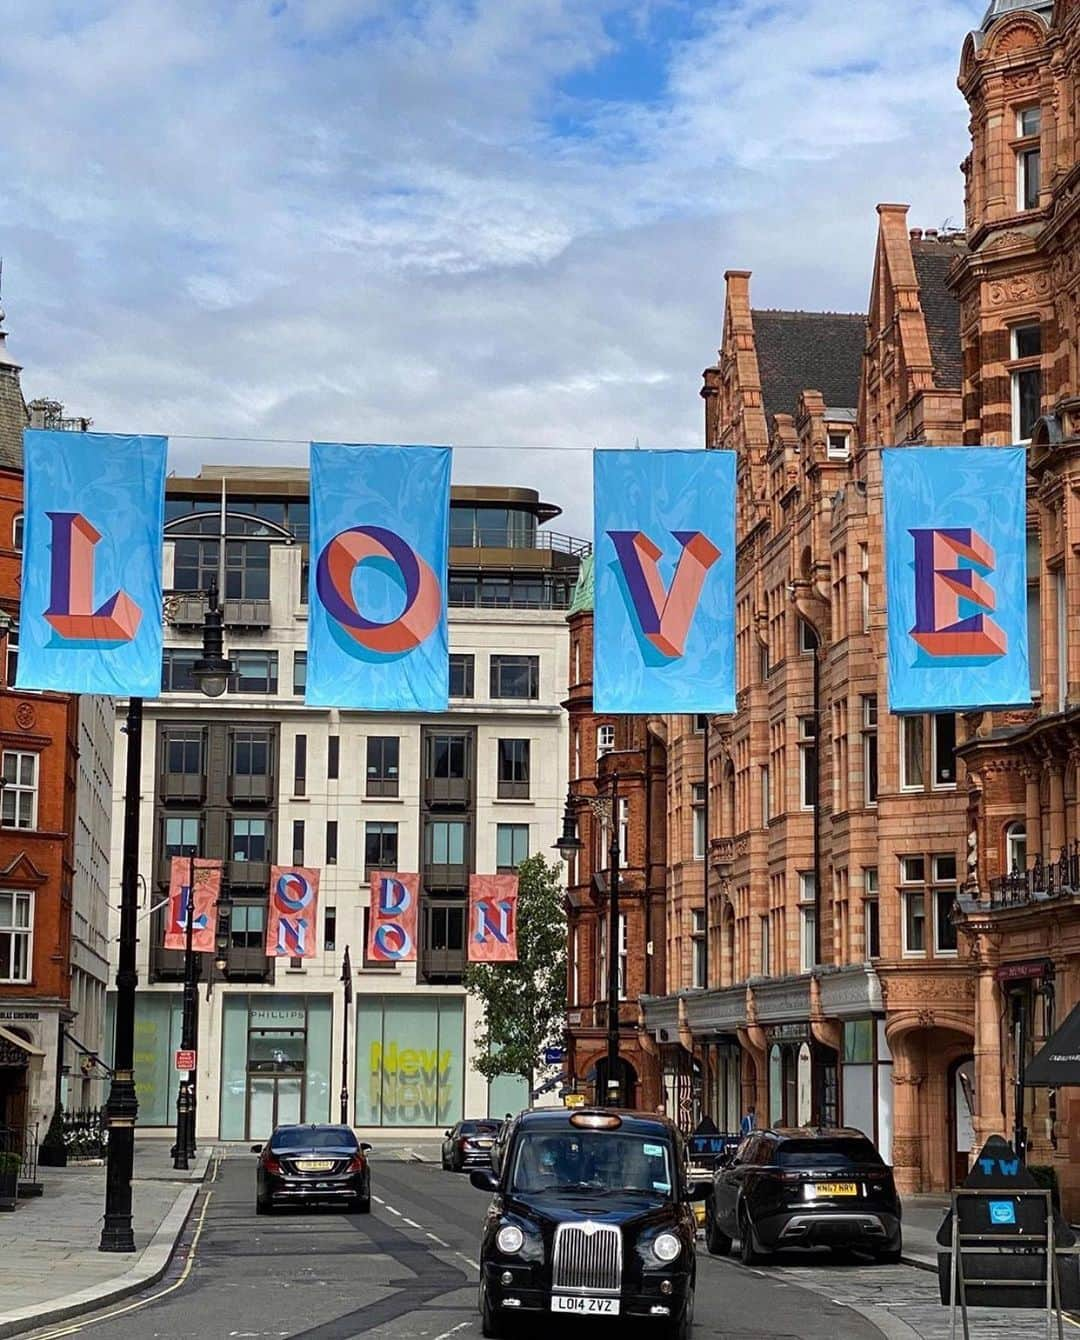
212	673
184	1148
346	977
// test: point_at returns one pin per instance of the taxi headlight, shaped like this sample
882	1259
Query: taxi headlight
666	1247
509	1239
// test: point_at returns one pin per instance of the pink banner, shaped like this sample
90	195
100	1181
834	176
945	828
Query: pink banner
493	918
293	913
207	890
395	901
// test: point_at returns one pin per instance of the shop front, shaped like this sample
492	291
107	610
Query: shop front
714	1019
158	1017
275	1062
850	999
410	1061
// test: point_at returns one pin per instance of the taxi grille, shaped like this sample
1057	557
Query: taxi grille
587	1258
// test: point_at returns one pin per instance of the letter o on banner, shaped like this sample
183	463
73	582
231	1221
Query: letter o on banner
423	596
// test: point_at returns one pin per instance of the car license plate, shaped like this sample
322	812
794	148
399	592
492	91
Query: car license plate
607	1307
483	1144
836	1189
316	1165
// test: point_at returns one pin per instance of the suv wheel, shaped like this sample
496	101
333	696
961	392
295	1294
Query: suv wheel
491	1324
749	1252
890	1256
716	1240
679	1329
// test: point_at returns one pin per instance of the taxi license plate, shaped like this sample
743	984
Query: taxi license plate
316	1165
607	1307
836	1189
484	1144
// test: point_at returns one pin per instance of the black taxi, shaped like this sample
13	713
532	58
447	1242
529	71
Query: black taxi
591	1216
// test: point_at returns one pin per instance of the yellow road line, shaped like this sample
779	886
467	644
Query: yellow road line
143	1302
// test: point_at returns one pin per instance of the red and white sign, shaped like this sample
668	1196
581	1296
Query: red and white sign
185	1058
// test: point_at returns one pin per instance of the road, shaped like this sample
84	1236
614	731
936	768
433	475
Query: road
407	1271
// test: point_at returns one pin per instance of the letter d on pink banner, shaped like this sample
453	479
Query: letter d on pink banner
392	917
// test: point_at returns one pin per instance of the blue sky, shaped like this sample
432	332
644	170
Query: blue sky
465	221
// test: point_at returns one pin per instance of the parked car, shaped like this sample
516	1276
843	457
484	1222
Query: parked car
590	1216
311	1164
469	1144
803	1187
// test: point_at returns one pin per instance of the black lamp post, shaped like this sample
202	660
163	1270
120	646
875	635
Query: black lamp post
121	1107
184	1148
346	978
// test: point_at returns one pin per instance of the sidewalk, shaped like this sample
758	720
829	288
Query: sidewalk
50	1267
921	1221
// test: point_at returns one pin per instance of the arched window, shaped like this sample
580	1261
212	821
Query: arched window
1015	847
17	533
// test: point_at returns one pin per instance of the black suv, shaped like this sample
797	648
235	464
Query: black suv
804	1187
590	1217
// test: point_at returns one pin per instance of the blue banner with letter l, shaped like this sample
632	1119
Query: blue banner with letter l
664	619
91	612
956	572
380	521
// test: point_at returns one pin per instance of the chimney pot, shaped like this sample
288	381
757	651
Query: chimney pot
931	232
916	234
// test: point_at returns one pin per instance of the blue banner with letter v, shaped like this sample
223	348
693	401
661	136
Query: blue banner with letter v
664	618
956	575
377	634
90	619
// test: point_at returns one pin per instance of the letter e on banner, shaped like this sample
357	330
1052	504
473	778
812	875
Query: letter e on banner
493	918
392	919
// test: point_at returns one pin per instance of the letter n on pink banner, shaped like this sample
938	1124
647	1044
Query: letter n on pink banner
292	917
395	899
493	918
207	890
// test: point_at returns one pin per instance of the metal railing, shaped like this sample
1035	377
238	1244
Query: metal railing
85	1133
1042	879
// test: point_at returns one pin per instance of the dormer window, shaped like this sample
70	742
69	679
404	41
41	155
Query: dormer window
839	446
1028	157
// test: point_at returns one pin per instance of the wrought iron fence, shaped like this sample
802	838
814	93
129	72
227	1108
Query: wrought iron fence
85	1133
29	1170
1042	879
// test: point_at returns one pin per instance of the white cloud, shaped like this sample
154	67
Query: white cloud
365	219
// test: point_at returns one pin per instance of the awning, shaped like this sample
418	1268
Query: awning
1058	1063
6	1035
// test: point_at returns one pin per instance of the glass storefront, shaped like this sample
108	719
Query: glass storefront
275	1063
507	1093
158	1017
410	1060
867	1081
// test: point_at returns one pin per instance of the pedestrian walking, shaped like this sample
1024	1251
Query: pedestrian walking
749	1121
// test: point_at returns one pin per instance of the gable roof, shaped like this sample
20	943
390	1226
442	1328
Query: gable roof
940	308
809	351
13	415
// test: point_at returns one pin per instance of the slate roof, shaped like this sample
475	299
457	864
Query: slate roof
13	418
997	9
942	311
809	351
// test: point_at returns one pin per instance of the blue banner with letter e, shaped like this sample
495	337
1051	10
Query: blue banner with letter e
377	636
90	618
664	620
956	570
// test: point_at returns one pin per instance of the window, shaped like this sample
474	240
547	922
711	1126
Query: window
944	749
1015	848
300	765
807	935
807	638
12	654
298	842
18	807
299	673
511	846
624	831
622	955
17	533
577	753
247	570
914	923
16	931
1062	617
869	734
381	846
181	835
944	868
872	909
515	676
251	753
605	740
1026	380
912	773
766	797
766	950
864	586
382	765
1034	612
247	926
256	672
807	763
176	671
331	842
462	675
195	564
698	936
446	842
513	767
698	799
839	446
329	928
183	752
574	967
912	869
305	578
447	757
1028	157
333	757
701	723
248	839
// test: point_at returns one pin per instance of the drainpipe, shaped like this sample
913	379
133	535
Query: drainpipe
817	800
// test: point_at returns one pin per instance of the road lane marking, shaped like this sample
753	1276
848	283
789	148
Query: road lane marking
435	1239
411	1222
468	1260
393	1211
453	1330
378	1200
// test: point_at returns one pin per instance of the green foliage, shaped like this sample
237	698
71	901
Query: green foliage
524	1002
53	1151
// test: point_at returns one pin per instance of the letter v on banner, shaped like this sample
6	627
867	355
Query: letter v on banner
493	918
664	620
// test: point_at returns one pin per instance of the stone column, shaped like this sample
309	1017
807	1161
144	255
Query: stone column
1057	811
1032	814
990	1116
907	1078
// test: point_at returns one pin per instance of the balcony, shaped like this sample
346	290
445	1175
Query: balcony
513	790
248	875
1042	881
188	609
249	965
253	615
182	786
166	965
440	878
447	792
442	965
258	787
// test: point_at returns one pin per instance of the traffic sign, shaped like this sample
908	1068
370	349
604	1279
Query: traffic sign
554	1055
185	1058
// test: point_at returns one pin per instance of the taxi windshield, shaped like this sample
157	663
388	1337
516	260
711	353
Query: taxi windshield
592	1161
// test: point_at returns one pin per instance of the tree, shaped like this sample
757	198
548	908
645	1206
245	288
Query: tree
524	1002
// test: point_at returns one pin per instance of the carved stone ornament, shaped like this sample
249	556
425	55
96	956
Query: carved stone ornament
906	1150
1018	288
26	716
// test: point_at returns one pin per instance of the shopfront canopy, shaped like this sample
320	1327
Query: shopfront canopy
1058	1063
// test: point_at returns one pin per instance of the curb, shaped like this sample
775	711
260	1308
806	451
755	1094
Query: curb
152	1264
919	1263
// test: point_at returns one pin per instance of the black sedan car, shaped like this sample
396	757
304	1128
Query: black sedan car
468	1144
591	1216
312	1164
804	1187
